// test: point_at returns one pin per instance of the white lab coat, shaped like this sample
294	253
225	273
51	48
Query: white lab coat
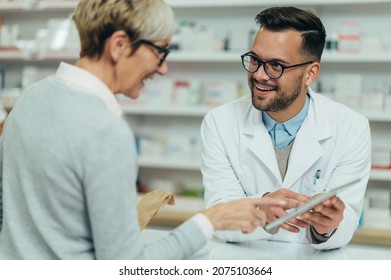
238	160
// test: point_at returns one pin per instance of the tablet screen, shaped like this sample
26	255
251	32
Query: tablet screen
309	205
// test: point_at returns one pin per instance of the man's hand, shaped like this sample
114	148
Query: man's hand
327	216
293	200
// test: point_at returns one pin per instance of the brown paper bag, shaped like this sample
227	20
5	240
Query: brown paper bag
151	204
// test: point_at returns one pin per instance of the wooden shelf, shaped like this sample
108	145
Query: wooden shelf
164	218
373	236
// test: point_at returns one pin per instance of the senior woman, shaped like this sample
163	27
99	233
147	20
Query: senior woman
68	159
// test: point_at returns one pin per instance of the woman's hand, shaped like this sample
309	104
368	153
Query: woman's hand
244	214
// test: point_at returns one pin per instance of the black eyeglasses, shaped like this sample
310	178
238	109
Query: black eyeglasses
272	68
163	52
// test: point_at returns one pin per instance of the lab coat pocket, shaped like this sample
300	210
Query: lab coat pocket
310	186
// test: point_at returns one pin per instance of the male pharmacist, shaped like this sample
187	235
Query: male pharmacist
286	141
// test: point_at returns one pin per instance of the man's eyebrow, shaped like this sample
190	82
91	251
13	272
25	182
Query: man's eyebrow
279	60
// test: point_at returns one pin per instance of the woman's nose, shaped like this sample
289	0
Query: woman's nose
163	69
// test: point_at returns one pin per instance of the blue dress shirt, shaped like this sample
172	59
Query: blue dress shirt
283	134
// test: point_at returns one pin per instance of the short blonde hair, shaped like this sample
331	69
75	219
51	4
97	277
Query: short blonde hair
97	20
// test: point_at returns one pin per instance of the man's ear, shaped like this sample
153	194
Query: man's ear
117	45
312	73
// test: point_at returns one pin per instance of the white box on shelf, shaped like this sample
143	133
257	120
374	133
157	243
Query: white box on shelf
387	103
376	218
381	157
217	93
348	88
348	82
187	92
162	184
156	92
349	37
372	101
376	212
379	198
151	146
9	96
371	44
351	100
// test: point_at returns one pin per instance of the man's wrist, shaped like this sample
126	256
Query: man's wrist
324	235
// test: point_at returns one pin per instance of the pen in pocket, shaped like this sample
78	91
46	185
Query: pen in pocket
317	176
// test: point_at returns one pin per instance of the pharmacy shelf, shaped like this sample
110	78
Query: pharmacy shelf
25	6
377	116
191	164
22	6
200	111
69	5
357	57
182	56
169	110
16	55
257	3
328	57
194	56
175	56
169	163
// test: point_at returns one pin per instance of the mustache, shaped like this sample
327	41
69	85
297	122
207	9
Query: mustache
262	83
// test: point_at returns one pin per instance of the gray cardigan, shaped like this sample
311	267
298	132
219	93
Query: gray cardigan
67	189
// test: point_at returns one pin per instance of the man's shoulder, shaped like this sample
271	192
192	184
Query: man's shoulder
336	110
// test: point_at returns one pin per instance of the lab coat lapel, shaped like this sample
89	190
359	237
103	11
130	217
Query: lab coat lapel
307	148
305	152
260	144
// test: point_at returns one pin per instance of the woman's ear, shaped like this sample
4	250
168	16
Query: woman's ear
312	73
117	45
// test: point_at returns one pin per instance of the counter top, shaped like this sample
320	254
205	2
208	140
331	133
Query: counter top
271	250
186	207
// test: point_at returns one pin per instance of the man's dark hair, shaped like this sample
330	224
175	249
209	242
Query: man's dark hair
304	21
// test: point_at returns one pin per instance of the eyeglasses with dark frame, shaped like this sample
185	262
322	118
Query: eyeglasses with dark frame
273	69
163	52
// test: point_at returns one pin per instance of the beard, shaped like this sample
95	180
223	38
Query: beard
280	101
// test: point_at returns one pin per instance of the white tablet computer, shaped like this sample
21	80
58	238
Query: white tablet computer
309	205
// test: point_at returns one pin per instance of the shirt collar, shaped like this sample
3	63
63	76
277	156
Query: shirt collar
268	121
85	81
292	125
